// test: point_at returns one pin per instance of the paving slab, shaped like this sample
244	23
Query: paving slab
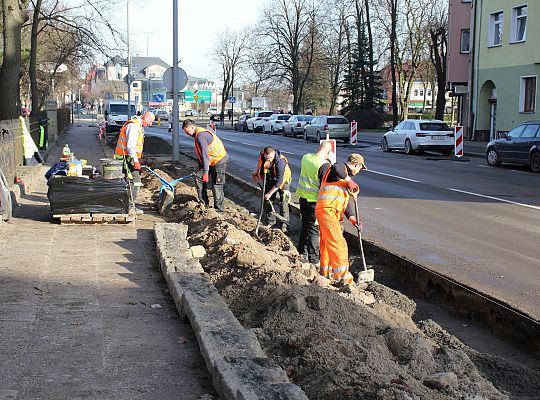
76	307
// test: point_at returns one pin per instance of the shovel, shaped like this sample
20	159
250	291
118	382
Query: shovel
166	191
367	275
262	206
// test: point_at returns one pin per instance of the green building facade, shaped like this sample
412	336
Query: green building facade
507	59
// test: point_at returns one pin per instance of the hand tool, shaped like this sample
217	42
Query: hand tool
367	275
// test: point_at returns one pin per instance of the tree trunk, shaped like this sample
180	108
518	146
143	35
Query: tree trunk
438	58
14	16
370	100
33	58
393	18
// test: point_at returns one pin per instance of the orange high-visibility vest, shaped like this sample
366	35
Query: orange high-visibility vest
121	150
333	194
287	178
216	150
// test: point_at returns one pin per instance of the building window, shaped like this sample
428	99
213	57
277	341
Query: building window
527	98
428	93
415	92
495	29
519	24
421	92
465	46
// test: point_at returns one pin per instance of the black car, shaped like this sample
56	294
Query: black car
240	123
519	146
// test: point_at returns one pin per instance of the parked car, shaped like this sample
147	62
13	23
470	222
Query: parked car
295	124
255	123
163	115
212	111
275	123
191	113
519	146
417	135
336	126
240	123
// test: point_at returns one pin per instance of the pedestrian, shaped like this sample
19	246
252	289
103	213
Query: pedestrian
222	118
130	147
230	114
337	190
212	158
275	167
312	169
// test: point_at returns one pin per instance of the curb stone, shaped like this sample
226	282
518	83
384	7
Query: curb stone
240	370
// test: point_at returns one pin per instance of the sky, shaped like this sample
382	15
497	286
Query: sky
200	22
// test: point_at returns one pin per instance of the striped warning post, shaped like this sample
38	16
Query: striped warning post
458	141
354	132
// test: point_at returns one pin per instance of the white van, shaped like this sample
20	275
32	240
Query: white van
116	114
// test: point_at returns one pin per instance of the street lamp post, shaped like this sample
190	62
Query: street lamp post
129	64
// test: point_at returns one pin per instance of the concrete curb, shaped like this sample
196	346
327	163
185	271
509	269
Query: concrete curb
240	370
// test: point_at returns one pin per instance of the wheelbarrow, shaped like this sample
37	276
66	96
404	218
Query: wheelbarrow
166	191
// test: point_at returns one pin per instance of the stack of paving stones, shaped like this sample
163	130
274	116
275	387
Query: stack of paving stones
239	368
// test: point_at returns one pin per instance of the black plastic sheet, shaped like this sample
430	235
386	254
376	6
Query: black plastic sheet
74	195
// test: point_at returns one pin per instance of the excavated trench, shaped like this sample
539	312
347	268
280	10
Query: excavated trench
336	344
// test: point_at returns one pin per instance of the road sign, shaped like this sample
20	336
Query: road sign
258	102
205	95
333	153
458	141
195	97
232	99
182	79
129	79
158	97
353	133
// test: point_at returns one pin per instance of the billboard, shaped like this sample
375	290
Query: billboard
258	102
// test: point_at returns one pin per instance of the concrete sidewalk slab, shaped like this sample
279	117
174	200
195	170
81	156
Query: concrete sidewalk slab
78	314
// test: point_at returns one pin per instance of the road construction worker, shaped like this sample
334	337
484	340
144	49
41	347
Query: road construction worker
130	147
312	170
336	195
212	158
274	167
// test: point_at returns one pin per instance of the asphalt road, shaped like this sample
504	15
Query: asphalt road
475	224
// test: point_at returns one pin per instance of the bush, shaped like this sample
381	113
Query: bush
369	119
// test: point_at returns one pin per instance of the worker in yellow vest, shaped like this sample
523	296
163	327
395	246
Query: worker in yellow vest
312	169
336	196
130	147
275	166
212	158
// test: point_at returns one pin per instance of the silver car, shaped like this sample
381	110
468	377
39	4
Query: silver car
295	125
335	126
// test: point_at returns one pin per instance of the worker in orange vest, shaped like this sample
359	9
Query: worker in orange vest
337	192
275	166
213	159
130	147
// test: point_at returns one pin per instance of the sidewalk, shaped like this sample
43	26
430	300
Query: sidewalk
84	310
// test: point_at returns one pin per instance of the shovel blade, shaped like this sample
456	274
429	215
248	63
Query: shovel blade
366	276
166	200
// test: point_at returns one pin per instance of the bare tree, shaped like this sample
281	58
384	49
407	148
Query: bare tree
73	30
438	46
289	28
230	53
336	50
13	17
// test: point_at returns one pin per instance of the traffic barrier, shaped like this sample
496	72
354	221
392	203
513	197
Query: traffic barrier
354	132
458	141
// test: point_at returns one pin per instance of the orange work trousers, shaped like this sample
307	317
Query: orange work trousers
334	251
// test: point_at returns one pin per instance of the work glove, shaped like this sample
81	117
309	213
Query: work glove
205	177
136	165
355	222
353	186
255	175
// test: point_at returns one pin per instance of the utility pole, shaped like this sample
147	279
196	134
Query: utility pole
175	127
129	64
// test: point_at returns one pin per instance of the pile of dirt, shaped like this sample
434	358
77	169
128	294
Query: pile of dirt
335	343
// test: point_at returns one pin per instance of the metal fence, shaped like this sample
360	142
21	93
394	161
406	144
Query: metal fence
11	147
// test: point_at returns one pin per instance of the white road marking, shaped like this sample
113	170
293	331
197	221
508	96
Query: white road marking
495	198
392	176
